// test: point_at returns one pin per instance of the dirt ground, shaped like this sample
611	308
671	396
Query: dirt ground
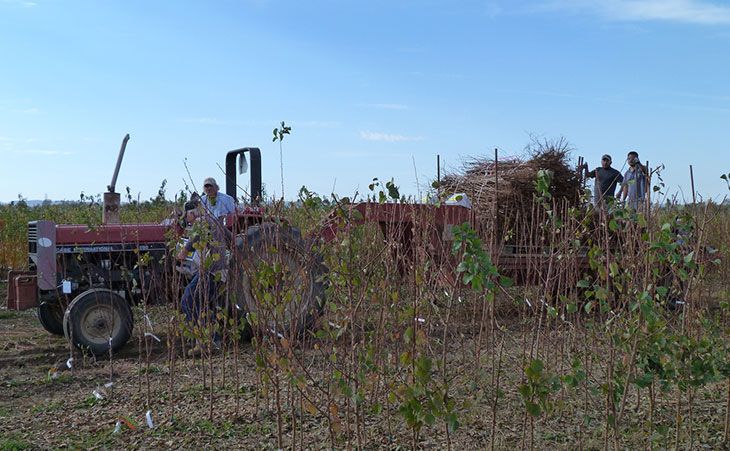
46	405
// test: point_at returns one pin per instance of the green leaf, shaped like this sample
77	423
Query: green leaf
505	281
533	409
583	283
408	335
429	419
452	422
536	367
525	391
614	269
377	408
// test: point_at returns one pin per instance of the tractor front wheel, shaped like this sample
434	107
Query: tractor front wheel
50	315
98	320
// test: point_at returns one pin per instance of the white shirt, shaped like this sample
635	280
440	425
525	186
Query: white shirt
224	205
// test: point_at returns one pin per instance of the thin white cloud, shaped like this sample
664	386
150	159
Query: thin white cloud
387	106
6	143
720	98
377	136
30	111
314	124
44	152
23	3
703	12
204	120
412	50
350	154
492	8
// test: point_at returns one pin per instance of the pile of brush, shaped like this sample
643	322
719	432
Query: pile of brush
508	186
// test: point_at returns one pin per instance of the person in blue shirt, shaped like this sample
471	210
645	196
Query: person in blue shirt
217	203
633	190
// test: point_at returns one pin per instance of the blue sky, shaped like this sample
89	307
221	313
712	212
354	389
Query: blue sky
370	89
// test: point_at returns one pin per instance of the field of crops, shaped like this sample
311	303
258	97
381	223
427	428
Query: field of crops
629	350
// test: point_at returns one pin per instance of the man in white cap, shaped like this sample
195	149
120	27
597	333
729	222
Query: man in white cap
606	180
217	203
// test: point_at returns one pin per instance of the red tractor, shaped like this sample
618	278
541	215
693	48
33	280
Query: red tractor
84	279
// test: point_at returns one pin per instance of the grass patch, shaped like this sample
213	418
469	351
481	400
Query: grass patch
61	379
12	383
99	439
13	444
91	401
45	408
194	389
223	429
7	314
152	369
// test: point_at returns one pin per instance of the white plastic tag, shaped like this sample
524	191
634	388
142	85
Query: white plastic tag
242	164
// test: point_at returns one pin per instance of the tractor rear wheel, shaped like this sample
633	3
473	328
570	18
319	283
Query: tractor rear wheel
277	280
50	315
97	320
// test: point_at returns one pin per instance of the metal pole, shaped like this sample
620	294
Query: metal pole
496	204
647	187
581	176
438	173
692	181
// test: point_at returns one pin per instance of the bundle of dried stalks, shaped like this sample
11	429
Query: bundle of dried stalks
508	187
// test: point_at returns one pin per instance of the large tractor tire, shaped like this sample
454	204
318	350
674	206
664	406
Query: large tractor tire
50	315
97	320
277	280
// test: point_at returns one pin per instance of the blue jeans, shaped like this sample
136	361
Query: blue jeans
196	296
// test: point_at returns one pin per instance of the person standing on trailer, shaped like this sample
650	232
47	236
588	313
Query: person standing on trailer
633	190
606	180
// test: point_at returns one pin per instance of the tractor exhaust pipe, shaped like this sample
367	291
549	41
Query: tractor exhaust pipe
113	185
112	200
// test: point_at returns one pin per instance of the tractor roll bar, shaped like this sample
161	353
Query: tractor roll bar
255	166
